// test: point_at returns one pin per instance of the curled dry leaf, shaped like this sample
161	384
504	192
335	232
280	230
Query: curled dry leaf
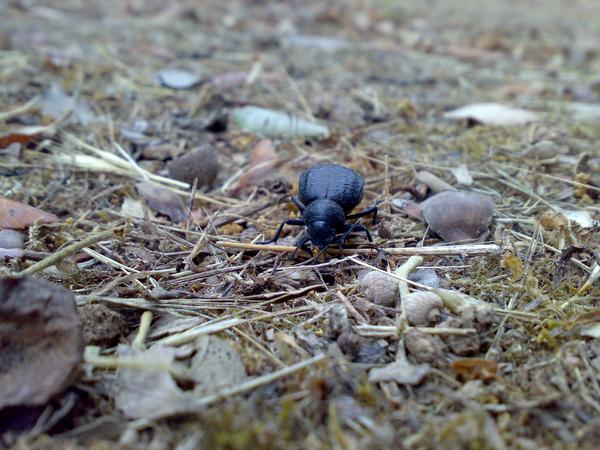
458	216
492	114
200	164
18	215
162	200
41	341
275	123
263	159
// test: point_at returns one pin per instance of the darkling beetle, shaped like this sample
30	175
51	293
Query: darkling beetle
327	193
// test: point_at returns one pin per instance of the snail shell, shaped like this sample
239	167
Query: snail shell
423	308
379	288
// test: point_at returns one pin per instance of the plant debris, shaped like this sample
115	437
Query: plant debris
149	149
271	123
492	114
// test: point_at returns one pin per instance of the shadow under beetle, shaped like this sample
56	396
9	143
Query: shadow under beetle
327	193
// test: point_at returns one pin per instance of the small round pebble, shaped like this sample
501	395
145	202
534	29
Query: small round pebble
201	163
11	239
379	288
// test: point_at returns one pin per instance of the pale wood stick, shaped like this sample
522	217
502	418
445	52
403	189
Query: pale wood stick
462	249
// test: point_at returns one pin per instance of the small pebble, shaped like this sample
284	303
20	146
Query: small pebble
426	277
457	215
11	239
201	163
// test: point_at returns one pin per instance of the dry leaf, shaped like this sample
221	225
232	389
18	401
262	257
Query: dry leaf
18	215
215	365
56	104
458	216
41	341
492	114
162	200
263	158
591	331
462	175
132	208
23	135
467	369
150	391
582	217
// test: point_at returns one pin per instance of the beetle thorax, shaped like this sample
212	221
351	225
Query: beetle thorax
324	210
323	218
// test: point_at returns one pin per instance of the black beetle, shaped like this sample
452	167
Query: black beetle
327	193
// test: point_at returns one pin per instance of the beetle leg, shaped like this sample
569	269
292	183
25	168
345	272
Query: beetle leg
278	232
360	227
300	245
351	229
365	212
298	203
347	230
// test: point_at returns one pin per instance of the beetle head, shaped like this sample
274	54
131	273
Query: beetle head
321	233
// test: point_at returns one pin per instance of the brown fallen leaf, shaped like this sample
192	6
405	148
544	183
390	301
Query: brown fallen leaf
467	369
162	200
492	114
18	215
23	135
263	158
41	341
